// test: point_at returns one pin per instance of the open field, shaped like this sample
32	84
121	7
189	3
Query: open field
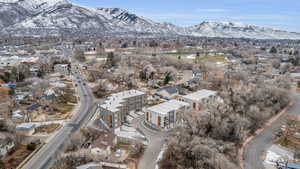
16	157
207	58
47	129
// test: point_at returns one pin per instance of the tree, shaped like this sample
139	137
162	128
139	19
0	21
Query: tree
276	63
79	55
210	138
101	90
112	60
273	50
168	78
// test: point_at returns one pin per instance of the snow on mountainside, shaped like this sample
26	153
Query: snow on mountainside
239	30
56	17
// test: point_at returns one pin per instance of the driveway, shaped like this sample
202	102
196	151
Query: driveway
254	151
155	144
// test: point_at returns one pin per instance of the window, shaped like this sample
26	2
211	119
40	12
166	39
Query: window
148	114
158	120
110	121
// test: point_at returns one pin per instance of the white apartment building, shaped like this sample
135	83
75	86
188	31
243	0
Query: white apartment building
197	99
119	105
165	115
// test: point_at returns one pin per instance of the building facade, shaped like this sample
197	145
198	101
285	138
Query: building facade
199	98
165	115
117	106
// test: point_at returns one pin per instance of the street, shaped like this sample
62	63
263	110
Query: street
155	144
46	156
254	151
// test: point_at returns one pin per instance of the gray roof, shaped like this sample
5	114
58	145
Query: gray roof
25	126
199	95
116	100
166	107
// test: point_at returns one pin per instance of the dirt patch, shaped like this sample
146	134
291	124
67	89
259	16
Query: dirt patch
16	157
47	129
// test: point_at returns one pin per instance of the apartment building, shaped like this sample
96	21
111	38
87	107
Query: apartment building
199	98
117	106
165	115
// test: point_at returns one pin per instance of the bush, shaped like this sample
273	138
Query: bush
31	147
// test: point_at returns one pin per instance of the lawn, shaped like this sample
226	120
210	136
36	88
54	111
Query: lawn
183	56
219	58
63	108
16	157
208	58
47	128
288	142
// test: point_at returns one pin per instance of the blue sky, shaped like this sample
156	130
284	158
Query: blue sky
282	14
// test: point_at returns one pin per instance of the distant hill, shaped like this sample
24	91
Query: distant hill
60	17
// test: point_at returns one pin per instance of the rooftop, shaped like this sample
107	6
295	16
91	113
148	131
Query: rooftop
114	101
25	126
166	107
199	95
33	107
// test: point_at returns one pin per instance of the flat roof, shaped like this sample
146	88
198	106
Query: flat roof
25	126
199	95
166	107
116	100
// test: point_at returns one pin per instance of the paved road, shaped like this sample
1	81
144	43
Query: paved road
155	139
47	154
255	150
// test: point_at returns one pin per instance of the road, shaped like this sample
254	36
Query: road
46	156
254	151
155	144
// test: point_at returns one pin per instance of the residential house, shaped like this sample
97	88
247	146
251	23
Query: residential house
197	99
25	129
165	115
33	110
169	92
117	106
18	116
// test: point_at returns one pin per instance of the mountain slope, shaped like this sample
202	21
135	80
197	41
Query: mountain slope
238	30
57	17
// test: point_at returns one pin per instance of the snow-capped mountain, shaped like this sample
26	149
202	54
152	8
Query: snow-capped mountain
56	17
239	30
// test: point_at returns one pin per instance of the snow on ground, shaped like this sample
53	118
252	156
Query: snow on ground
133	114
140	113
130	133
38	124
129	119
276	153
190	57
160	155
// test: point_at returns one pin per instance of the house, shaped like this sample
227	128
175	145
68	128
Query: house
58	84
33	110
25	129
295	76
117	106
165	115
169	92
197	99
18	116
63	69
104	144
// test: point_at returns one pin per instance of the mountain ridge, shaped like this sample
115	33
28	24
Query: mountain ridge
57	17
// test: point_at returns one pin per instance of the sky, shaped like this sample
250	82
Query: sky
280	14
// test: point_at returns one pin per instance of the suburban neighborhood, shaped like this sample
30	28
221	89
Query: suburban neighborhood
119	91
